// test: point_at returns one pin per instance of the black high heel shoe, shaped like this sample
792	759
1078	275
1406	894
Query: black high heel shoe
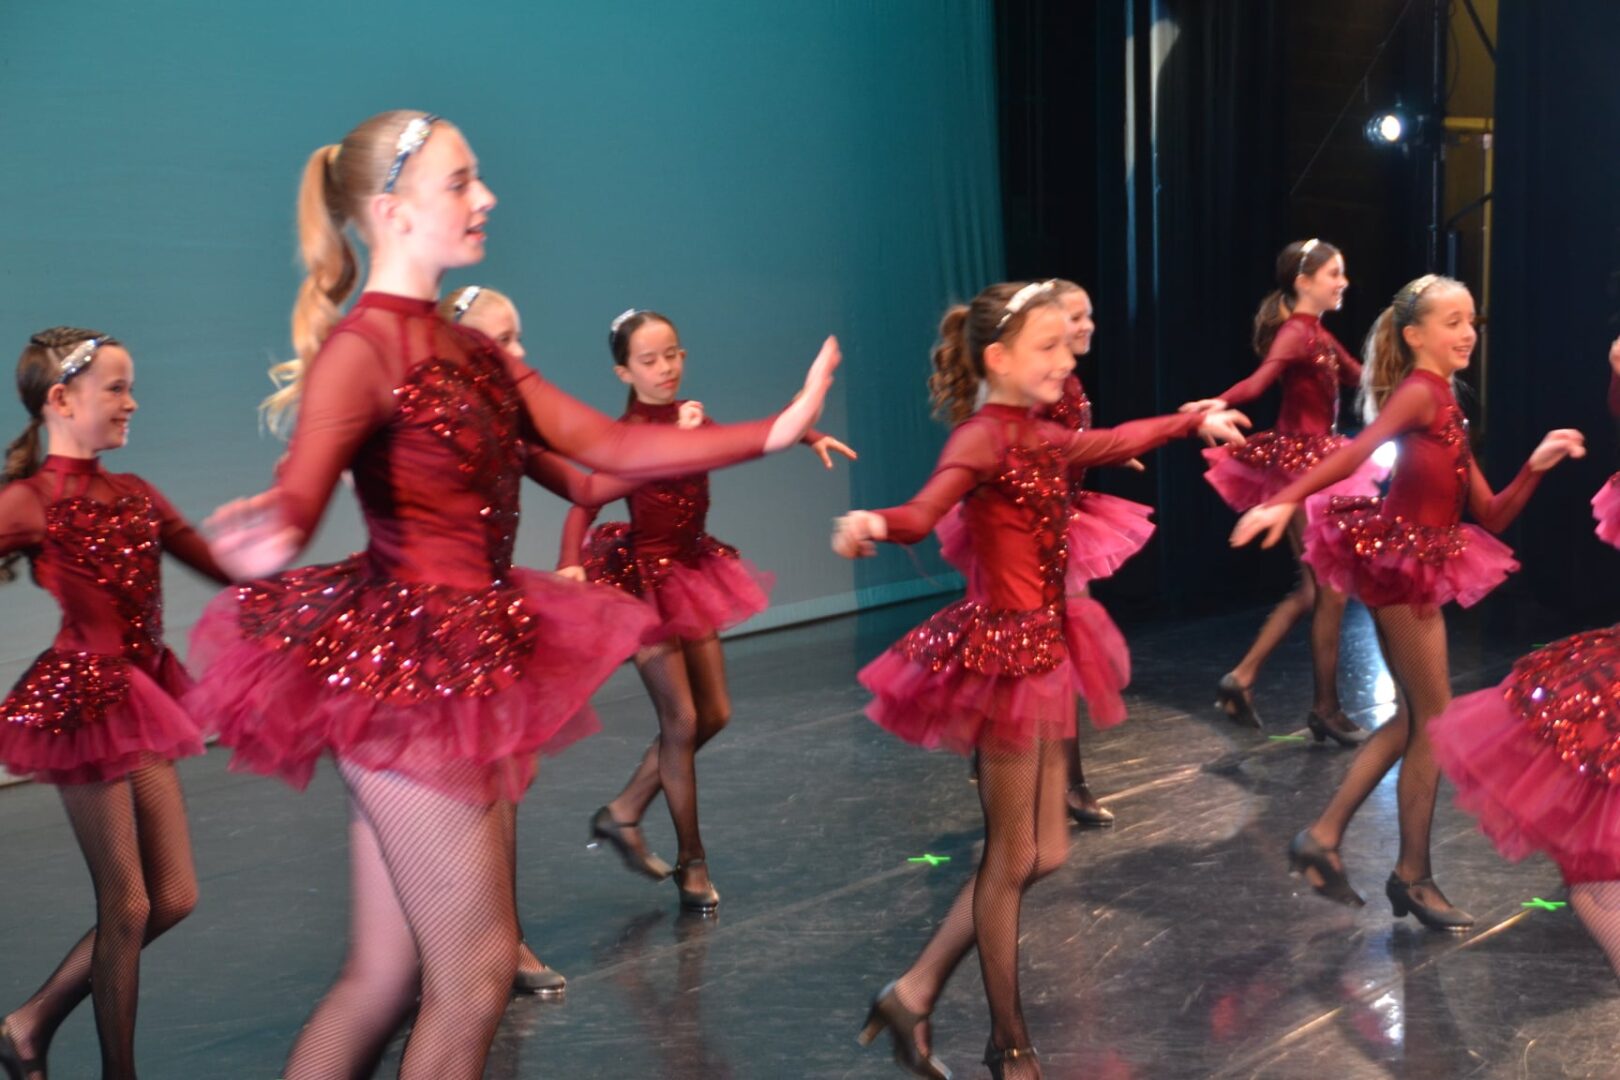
1306	853
887	1014
604	830
997	1058
1449	918
704	900
1236	701
1324	731
1090	813
18	1067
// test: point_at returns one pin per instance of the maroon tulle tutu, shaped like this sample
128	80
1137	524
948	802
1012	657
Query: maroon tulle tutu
1606	509
1268	461
79	718
1104	532
1384	560
436	683
1537	758
714	591
973	677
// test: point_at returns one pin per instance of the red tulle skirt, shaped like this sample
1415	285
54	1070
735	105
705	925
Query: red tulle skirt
1269	461
1104	532
714	591
1384	560
1606	509
974	677
1537	758
454	689
80	718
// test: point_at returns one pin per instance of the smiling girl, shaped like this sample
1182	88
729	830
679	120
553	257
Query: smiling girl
998	671
96	714
1405	556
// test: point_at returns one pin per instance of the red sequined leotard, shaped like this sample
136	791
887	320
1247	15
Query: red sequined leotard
429	653
1410	546
1537	757
664	555
103	696
1002	666
1104	530
1312	366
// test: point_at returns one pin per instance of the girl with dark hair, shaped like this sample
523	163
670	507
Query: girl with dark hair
97	713
998	671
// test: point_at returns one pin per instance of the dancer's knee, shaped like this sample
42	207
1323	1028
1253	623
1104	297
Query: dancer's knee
170	905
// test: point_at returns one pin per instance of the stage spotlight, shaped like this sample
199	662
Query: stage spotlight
1389	128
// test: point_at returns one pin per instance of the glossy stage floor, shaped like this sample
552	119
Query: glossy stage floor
1174	945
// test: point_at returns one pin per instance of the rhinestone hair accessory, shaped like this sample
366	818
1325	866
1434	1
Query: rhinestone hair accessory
77	360
1020	300
1406	300
621	318
469	296
410	141
1305	250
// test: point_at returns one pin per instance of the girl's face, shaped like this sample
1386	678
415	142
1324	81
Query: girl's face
92	410
1029	368
655	362
1444	336
494	316
1077	321
1323	290
440	205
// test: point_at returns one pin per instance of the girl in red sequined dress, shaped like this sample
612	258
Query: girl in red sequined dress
429	666
1312	366
998	671
1537	757
1104	530
696	585
1405	556
97	713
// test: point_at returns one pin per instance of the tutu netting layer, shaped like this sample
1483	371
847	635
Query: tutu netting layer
1537	758
1606	509
78	718
715	591
1269	461
973	677
1104	532
419	679
1386	560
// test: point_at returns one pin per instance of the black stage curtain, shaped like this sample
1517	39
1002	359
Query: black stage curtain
1556	280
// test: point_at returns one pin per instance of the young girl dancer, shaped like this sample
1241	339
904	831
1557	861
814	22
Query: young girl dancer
998	671
1297	350
697	586
1104	530
1405	556
430	667
96	714
1537	757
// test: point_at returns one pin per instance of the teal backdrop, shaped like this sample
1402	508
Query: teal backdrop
765	173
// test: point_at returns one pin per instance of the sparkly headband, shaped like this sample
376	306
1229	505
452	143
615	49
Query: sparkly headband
410	141
464	302
77	360
1304	250
1020	300
621	318
1406	300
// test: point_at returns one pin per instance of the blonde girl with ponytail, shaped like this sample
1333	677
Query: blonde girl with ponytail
429	667
1406	556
